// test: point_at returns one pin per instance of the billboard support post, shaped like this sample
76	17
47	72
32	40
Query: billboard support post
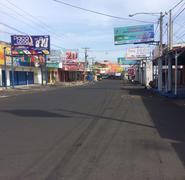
134	34
12	69
5	67
41	69
46	71
161	33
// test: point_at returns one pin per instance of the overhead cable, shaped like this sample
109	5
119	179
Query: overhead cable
178	14
31	18
176	5
100	13
10	27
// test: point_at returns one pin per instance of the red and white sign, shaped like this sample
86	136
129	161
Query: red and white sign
71	55
131	71
137	53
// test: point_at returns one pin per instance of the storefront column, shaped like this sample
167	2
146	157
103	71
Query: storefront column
176	72
1	79
169	74
50	76
8	77
160	66
166	74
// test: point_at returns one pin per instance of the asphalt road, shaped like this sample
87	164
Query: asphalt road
103	131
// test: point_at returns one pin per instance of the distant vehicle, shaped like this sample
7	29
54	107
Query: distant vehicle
99	77
105	76
118	76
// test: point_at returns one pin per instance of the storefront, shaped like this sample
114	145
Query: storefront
26	70
170	72
23	74
72	72
53	71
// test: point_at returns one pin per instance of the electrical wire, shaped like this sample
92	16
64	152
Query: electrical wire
15	18
100	13
178	14
5	32
12	28
34	18
176	5
29	17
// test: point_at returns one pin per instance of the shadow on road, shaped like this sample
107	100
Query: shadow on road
74	113
34	113
169	119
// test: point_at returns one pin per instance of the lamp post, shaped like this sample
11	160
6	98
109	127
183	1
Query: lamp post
5	68
144	13
160	43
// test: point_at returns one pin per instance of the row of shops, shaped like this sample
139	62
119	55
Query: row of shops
169	72
27	75
31	69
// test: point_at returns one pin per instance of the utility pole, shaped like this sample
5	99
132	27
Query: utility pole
161	33
160	64
170	41
170	30
86	61
5	68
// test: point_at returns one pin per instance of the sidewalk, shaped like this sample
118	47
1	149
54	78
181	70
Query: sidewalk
37	88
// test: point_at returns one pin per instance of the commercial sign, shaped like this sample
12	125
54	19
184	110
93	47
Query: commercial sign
55	56
27	45
80	66
134	34
72	55
2	45
123	61
156	53
131	71
138	53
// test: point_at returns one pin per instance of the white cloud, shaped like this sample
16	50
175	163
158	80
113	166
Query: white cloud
82	28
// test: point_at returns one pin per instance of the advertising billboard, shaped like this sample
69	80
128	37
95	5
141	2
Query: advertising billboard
134	34
123	61
27	45
72	55
131	71
138	53
2	45
71	60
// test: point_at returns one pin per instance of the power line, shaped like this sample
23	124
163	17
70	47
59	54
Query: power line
157	27
180	29
10	27
6	32
99	13
178	14
176	5
22	20
31	18
180	8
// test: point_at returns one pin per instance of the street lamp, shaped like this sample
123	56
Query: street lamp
161	24
153	14
160	43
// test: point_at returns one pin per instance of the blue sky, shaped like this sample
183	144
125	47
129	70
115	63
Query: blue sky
74	29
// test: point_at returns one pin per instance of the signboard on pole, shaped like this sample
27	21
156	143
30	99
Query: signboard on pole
123	61
138	53
134	34
131	71
2	46
30	45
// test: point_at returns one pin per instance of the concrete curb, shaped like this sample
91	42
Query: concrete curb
20	90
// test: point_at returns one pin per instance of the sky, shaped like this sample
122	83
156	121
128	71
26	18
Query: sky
72	28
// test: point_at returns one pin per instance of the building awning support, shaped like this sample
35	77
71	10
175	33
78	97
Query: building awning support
176	72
